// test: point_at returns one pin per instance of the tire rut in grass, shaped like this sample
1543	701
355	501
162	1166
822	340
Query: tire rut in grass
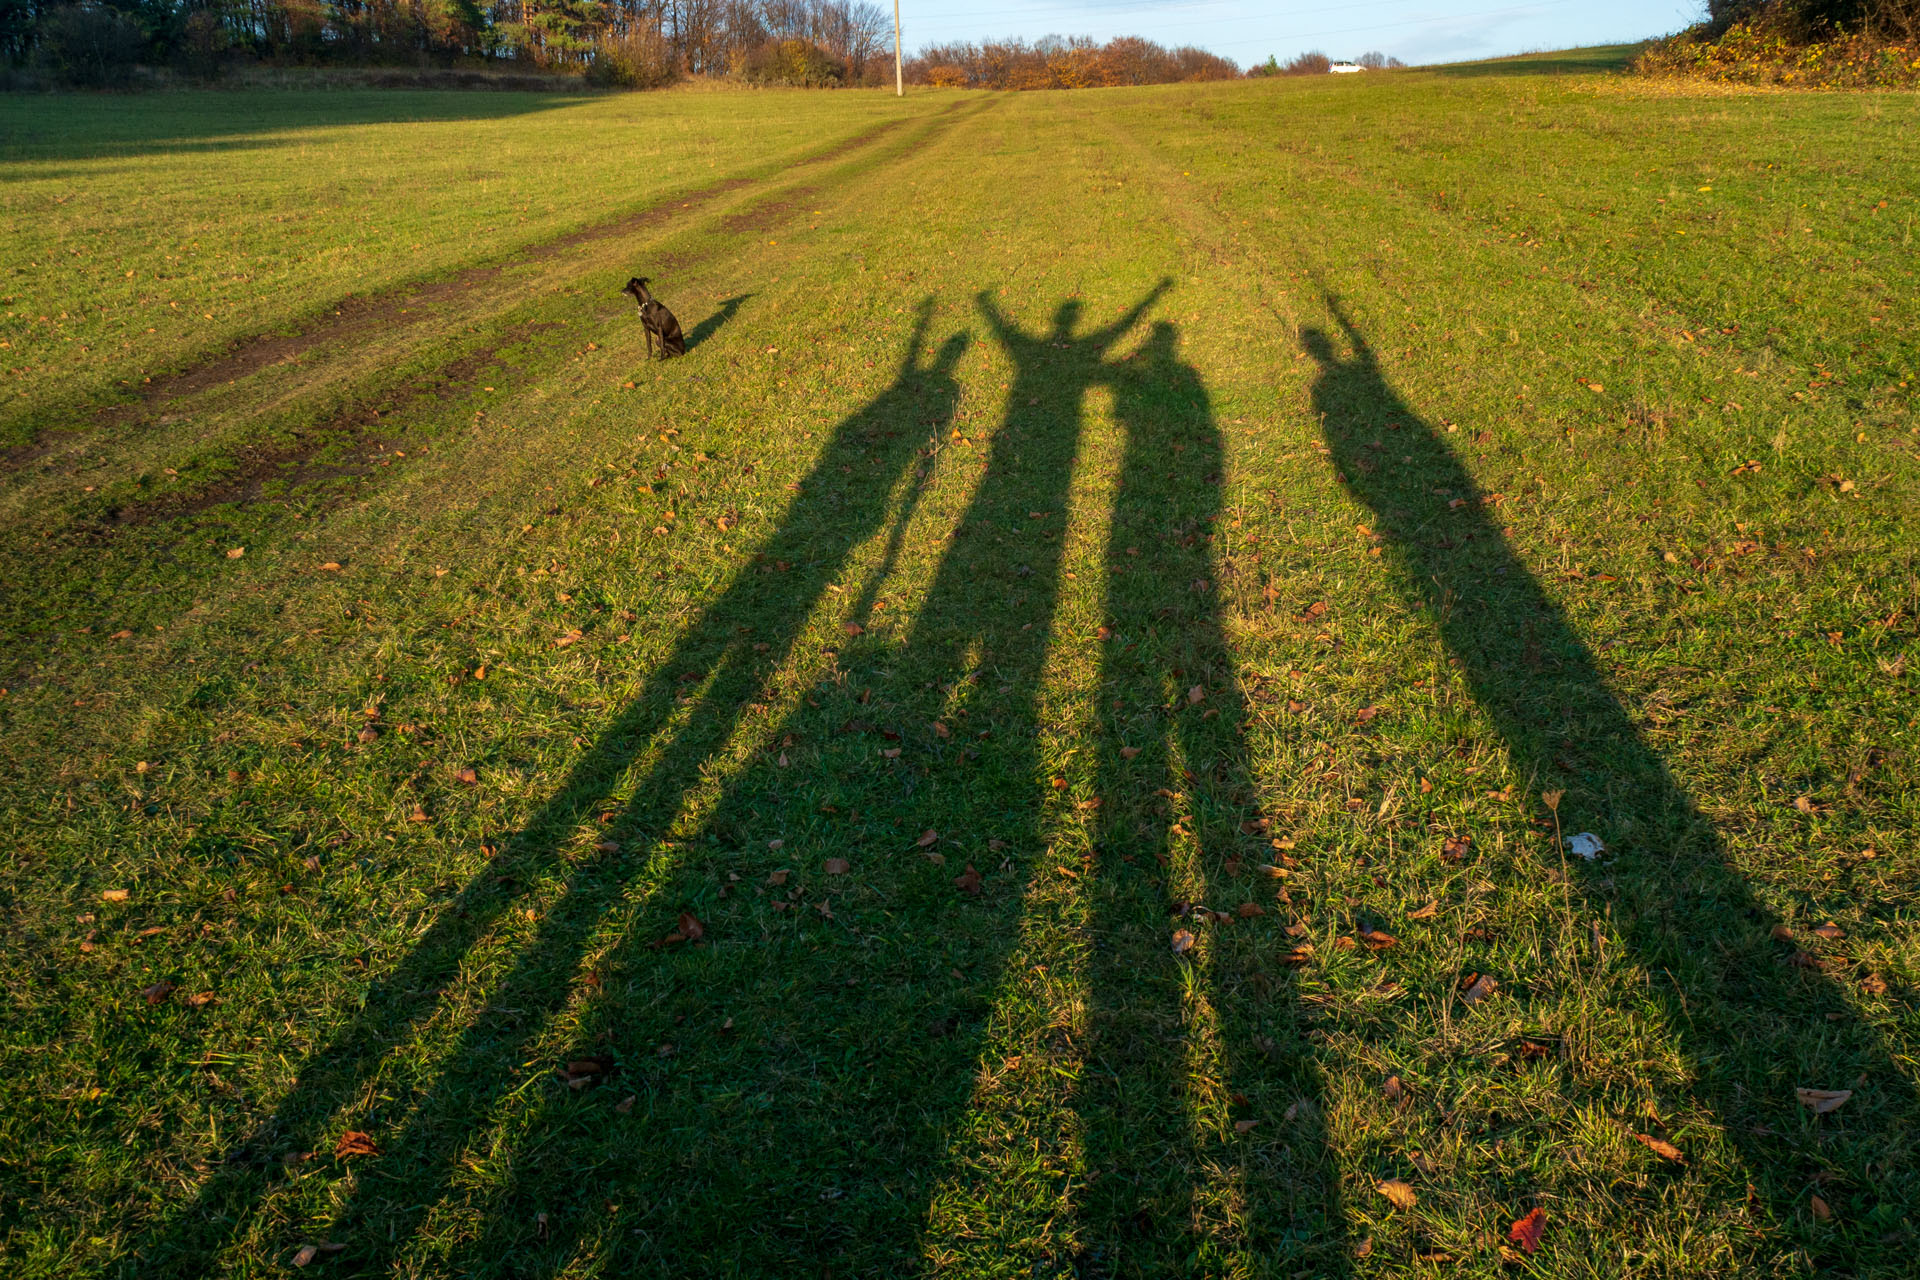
383	313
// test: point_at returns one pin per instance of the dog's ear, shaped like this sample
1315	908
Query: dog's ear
643	281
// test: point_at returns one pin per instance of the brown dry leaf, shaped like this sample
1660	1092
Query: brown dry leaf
1364	1248
1665	1150
690	927
114	895
927	837
625	1104
158	992
1821	1209
1378	939
1182	942
200	1000
466	774
1244	1126
306	1254
890	753
1874	985
1830	931
853	628
1525	1232
838	866
968	881
1395	1091
1478	987
1248	910
1822	1101
354	1143
1195	695
234	553
1780	933
419	814
331	566
1427	912
1298	956
1455	848
1399	1193
1365	714
1128	753
941	731
778	877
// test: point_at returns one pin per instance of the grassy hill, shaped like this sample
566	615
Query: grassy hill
1047	744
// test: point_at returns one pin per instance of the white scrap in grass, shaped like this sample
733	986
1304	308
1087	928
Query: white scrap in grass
1587	845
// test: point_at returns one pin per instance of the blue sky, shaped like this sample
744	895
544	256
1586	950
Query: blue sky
1247	30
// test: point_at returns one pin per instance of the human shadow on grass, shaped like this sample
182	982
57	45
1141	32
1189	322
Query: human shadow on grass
1751	1025
1186	1044
842	1014
632	783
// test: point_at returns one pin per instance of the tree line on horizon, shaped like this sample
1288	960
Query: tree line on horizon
612	43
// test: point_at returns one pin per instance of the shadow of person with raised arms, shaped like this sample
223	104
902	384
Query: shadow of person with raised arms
726	655
1694	927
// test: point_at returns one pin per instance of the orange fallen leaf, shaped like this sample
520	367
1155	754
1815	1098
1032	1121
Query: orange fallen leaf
158	992
1248	910
1399	1193
113	895
853	628
1665	1150
1427	912
1479	988
1378	939
1821	1209
355	1143
1525	1232
1182	942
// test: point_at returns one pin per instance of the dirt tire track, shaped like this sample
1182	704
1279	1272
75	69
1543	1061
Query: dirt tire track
357	426
395	308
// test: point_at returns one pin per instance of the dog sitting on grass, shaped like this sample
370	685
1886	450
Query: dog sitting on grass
656	320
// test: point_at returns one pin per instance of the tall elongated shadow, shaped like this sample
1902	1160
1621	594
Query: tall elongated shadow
1720	985
843	1009
1183	1045
717	321
733	648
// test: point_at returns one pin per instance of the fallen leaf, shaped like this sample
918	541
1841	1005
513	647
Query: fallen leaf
1248	910
1830	931
466	774
1526	1231
940	730
1395	1091
1298	956
1478	988
690	927
1780	933
1365	714
1665	1150
235	553
1399	1193
1244	1126
306	1254
158	992
1455	848
1378	939
968	881
331	566
853	628
1364	1248
1182	942
354	1143
1822	1101
927	837
777	877
1196	694
625	1104
1128	753
1821	1209
838	866
1427	912
200	1000
114	895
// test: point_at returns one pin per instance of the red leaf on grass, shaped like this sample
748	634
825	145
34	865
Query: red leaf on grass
1525	1232
355	1143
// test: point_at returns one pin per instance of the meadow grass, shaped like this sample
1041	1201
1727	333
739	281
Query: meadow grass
1043	746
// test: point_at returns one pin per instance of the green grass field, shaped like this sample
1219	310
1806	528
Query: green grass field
1044	746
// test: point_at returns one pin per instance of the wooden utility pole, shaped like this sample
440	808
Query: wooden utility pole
899	84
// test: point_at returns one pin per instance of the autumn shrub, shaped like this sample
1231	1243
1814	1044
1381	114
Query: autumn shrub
639	58
801	64
1767	52
947	76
